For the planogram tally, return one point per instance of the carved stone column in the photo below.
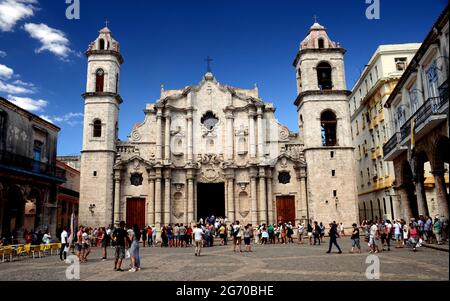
(159, 134)
(252, 140)
(158, 201)
(190, 136)
(270, 197)
(190, 195)
(420, 193)
(167, 197)
(254, 199)
(262, 197)
(260, 133)
(117, 213)
(167, 137)
(230, 136)
(151, 198)
(441, 193)
(230, 196)
(302, 206)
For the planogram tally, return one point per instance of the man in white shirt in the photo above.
(198, 238)
(300, 230)
(398, 233)
(64, 243)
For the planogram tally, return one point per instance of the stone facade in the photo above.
(419, 110)
(29, 177)
(215, 149)
(370, 128)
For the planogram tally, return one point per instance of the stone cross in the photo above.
(208, 61)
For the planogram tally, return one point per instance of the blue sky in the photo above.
(43, 67)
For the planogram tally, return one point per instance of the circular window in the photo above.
(209, 120)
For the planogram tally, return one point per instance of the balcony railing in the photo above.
(22, 163)
(431, 107)
(391, 144)
(443, 90)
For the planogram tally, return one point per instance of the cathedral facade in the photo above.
(212, 149)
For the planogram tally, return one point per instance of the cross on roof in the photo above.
(315, 18)
(208, 61)
(107, 22)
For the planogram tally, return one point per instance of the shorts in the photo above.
(398, 237)
(78, 246)
(120, 252)
(176, 237)
(310, 234)
(86, 246)
(372, 241)
(356, 243)
(183, 237)
(104, 243)
(247, 241)
(222, 236)
(170, 237)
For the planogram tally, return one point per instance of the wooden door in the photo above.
(136, 212)
(286, 209)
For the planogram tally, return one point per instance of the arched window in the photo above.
(102, 44)
(324, 76)
(99, 80)
(97, 128)
(321, 43)
(328, 122)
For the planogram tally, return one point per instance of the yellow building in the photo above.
(370, 128)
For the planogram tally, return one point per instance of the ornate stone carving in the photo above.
(284, 133)
(136, 136)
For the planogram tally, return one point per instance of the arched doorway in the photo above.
(13, 213)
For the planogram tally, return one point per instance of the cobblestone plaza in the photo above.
(267, 263)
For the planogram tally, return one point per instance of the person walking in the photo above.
(300, 230)
(333, 234)
(149, 236)
(198, 239)
(437, 229)
(355, 239)
(64, 243)
(398, 233)
(120, 239)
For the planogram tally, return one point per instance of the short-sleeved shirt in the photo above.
(373, 230)
(355, 233)
(182, 230)
(198, 234)
(64, 237)
(120, 235)
(237, 228)
(397, 228)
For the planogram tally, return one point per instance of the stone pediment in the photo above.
(136, 161)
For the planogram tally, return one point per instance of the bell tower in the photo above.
(325, 128)
(100, 130)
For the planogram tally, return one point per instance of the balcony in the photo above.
(22, 164)
(392, 149)
(427, 117)
(374, 154)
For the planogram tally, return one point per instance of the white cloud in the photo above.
(5, 71)
(22, 83)
(71, 119)
(2, 54)
(46, 118)
(52, 39)
(12, 11)
(29, 104)
(14, 89)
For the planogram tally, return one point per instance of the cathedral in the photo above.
(213, 149)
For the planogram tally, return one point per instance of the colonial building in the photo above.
(68, 195)
(370, 128)
(29, 177)
(419, 112)
(215, 149)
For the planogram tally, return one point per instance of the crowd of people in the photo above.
(380, 235)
